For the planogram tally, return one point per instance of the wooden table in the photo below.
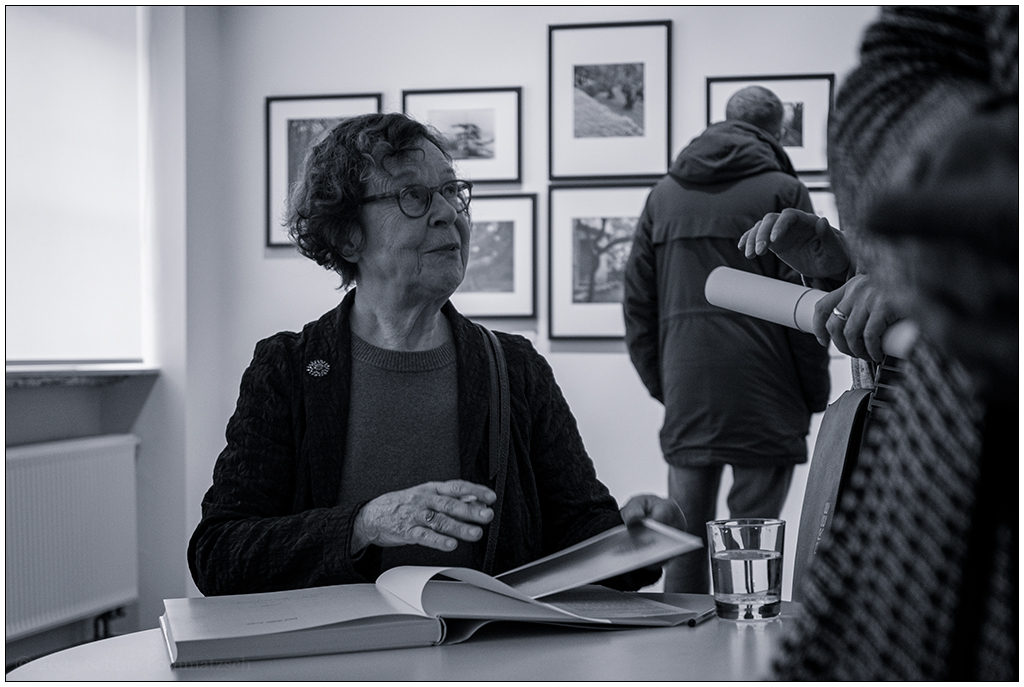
(714, 650)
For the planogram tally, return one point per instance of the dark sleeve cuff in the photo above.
(340, 564)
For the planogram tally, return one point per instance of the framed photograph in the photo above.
(484, 126)
(824, 203)
(501, 277)
(293, 124)
(609, 100)
(590, 233)
(807, 102)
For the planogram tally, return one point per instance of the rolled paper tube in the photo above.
(774, 300)
(788, 304)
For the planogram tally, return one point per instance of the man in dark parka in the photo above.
(737, 391)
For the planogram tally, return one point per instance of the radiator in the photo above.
(71, 531)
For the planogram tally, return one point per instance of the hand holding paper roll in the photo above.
(809, 310)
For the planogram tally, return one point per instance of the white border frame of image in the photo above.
(521, 209)
(824, 202)
(814, 90)
(568, 320)
(507, 104)
(621, 157)
(281, 109)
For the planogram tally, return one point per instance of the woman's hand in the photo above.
(864, 315)
(805, 242)
(434, 514)
(655, 508)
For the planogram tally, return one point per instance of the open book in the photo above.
(424, 605)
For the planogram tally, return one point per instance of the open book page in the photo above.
(590, 606)
(464, 608)
(472, 594)
(256, 614)
(452, 599)
(467, 594)
(620, 608)
(407, 583)
(619, 550)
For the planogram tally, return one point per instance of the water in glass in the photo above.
(747, 583)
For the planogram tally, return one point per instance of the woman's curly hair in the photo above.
(324, 204)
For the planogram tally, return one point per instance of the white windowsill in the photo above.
(73, 374)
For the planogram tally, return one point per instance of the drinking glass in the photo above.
(746, 567)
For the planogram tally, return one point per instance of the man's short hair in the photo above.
(758, 106)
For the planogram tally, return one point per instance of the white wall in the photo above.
(211, 288)
(272, 51)
(161, 425)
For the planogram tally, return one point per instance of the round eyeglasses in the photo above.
(414, 201)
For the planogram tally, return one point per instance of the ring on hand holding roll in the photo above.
(839, 314)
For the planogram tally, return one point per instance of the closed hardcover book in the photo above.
(423, 605)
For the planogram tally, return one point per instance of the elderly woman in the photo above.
(362, 442)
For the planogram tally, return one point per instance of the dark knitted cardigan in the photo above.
(270, 520)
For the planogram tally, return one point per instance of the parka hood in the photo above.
(730, 150)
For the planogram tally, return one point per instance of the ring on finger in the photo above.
(429, 517)
(840, 315)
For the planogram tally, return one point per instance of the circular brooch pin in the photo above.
(318, 368)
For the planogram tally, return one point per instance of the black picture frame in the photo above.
(484, 126)
(501, 277)
(599, 75)
(808, 99)
(585, 288)
(293, 123)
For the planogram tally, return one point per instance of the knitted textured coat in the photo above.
(919, 578)
(270, 520)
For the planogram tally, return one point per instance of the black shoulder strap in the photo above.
(499, 434)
